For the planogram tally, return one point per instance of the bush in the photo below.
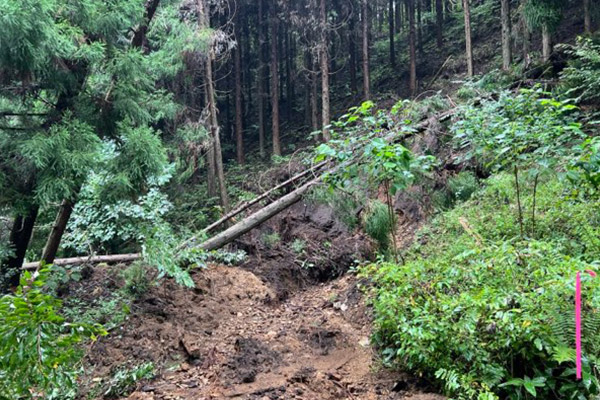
(136, 279)
(581, 79)
(39, 352)
(486, 315)
(378, 224)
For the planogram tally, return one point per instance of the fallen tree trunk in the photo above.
(244, 206)
(253, 220)
(257, 218)
(111, 259)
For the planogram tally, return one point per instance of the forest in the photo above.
(309, 199)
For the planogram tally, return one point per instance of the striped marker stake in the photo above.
(578, 321)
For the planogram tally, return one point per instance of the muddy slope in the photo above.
(287, 324)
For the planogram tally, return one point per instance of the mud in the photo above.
(290, 323)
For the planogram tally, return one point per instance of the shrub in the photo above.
(378, 224)
(488, 316)
(136, 279)
(271, 239)
(124, 379)
(462, 186)
(581, 79)
(39, 352)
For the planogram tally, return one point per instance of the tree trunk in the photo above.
(439, 27)
(260, 80)
(469, 45)
(110, 259)
(506, 35)
(19, 238)
(526, 40)
(289, 104)
(212, 110)
(419, 26)
(546, 43)
(398, 4)
(314, 95)
(275, 83)
(587, 17)
(324, 59)
(257, 218)
(412, 47)
(239, 111)
(353, 56)
(58, 229)
(365, 50)
(391, 17)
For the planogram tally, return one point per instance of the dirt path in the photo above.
(314, 345)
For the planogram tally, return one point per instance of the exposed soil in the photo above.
(273, 328)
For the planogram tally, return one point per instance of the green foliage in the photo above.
(483, 313)
(124, 379)
(379, 223)
(298, 246)
(137, 281)
(271, 239)
(39, 353)
(462, 186)
(344, 204)
(529, 129)
(581, 79)
(584, 170)
(540, 13)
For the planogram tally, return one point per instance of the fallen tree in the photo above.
(256, 218)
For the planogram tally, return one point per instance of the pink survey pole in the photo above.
(578, 322)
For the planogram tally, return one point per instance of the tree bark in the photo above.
(352, 50)
(412, 47)
(110, 259)
(314, 95)
(439, 27)
(324, 59)
(19, 238)
(506, 35)
(239, 111)
(260, 80)
(257, 218)
(546, 43)
(365, 50)
(526, 39)
(392, 33)
(468, 44)
(587, 17)
(275, 83)
(58, 229)
(212, 110)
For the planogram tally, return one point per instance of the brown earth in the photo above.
(284, 325)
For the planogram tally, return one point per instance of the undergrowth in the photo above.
(486, 314)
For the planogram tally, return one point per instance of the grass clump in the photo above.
(378, 224)
(486, 314)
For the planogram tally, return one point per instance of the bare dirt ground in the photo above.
(273, 328)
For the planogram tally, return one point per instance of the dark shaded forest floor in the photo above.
(280, 326)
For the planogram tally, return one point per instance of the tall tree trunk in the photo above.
(212, 109)
(314, 95)
(398, 7)
(412, 47)
(391, 17)
(546, 43)
(239, 111)
(19, 238)
(506, 35)
(439, 26)
(58, 229)
(289, 104)
(526, 39)
(353, 56)
(324, 59)
(365, 50)
(260, 78)
(419, 26)
(275, 82)
(468, 44)
(587, 17)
